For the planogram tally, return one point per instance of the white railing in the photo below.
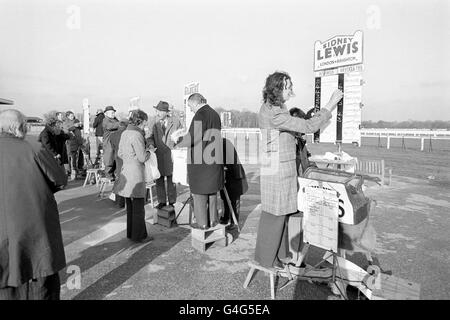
(422, 134)
(405, 133)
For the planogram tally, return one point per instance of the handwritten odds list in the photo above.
(321, 216)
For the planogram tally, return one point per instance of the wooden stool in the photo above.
(103, 183)
(201, 238)
(149, 186)
(92, 173)
(271, 272)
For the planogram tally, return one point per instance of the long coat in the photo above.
(235, 179)
(31, 244)
(98, 124)
(75, 141)
(109, 126)
(204, 138)
(278, 153)
(161, 140)
(49, 140)
(132, 151)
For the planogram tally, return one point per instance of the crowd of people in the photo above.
(31, 247)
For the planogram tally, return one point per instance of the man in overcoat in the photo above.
(109, 124)
(160, 133)
(278, 169)
(205, 160)
(31, 245)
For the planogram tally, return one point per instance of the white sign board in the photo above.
(320, 215)
(346, 214)
(338, 51)
(188, 90)
(135, 103)
(179, 157)
(351, 112)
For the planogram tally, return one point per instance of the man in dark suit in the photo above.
(205, 160)
(160, 134)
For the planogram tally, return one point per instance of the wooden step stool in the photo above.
(202, 238)
(92, 173)
(103, 183)
(149, 193)
(271, 272)
(166, 217)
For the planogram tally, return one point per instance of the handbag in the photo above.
(151, 168)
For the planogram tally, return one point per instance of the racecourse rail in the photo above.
(254, 135)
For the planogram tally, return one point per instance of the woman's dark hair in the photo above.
(296, 112)
(137, 117)
(275, 83)
(51, 122)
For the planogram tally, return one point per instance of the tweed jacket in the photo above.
(161, 140)
(132, 151)
(278, 154)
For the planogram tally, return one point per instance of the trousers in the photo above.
(205, 209)
(272, 240)
(161, 190)
(136, 228)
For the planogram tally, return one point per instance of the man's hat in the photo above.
(108, 108)
(162, 106)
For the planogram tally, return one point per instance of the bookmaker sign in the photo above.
(338, 51)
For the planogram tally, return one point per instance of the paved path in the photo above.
(412, 220)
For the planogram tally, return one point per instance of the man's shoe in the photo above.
(214, 224)
(197, 226)
(160, 205)
(172, 204)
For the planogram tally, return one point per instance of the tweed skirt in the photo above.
(279, 189)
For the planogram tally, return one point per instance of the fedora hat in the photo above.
(108, 108)
(162, 106)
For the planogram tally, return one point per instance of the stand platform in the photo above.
(201, 239)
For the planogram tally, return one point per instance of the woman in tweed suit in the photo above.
(278, 168)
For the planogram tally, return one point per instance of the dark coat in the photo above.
(61, 139)
(235, 179)
(49, 140)
(302, 156)
(75, 141)
(163, 143)
(31, 244)
(115, 140)
(98, 124)
(204, 177)
(109, 126)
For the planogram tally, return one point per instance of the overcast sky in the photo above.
(152, 48)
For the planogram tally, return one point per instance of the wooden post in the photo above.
(388, 142)
(422, 142)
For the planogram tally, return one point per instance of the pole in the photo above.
(340, 113)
